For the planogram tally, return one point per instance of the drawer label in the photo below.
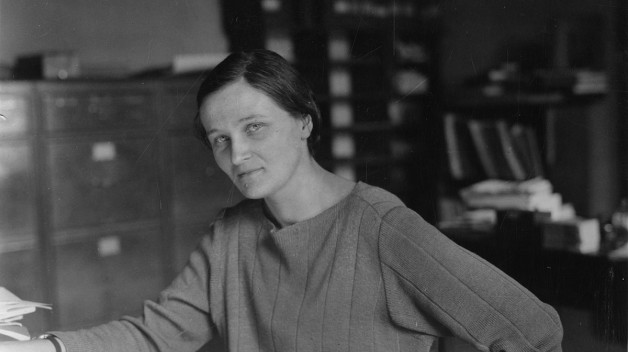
(103, 151)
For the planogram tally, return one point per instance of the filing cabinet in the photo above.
(103, 180)
(21, 266)
(21, 271)
(106, 275)
(179, 103)
(85, 107)
(104, 192)
(198, 184)
(17, 182)
(17, 191)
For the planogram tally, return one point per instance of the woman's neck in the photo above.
(312, 194)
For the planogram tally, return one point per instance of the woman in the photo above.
(311, 261)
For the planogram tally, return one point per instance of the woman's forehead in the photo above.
(234, 103)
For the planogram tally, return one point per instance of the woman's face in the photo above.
(260, 146)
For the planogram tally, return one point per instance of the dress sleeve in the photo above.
(178, 321)
(434, 286)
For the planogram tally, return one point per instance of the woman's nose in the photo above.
(240, 151)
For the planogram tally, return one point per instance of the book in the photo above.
(13, 331)
(486, 138)
(530, 195)
(490, 169)
(515, 164)
(13, 309)
(541, 202)
(491, 148)
(535, 185)
(461, 155)
(526, 147)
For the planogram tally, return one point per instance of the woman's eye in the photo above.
(220, 140)
(254, 127)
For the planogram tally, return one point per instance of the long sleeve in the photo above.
(178, 321)
(425, 273)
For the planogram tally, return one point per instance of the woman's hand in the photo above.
(27, 346)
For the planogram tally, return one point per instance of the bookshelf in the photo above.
(372, 65)
(589, 288)
(532, 121)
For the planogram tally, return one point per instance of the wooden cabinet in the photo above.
(104, 193)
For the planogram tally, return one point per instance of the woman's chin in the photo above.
(251, 191)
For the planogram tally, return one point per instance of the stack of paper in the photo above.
(531, 195)
(578, 235)
(12, 310)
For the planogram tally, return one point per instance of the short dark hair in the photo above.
(270, 73)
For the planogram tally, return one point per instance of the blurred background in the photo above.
(503, 123)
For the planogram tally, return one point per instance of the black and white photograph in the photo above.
(313, 176)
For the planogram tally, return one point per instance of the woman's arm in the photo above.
(178, 321)
(27, 346)
(434, 285)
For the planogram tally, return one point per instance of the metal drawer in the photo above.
(200, 188)
(17, 190)
(103, 181)
(111, 275)
(15, 114)
(99, 109)
(180, 105)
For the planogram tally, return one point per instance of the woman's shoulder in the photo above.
(244, 209)
(391, 210)
(241, 218)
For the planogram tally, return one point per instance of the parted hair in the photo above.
(270, 73)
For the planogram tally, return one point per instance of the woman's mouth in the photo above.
(247, 175)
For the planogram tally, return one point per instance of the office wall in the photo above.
(111, 36)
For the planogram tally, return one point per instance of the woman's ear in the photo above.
(306, 127)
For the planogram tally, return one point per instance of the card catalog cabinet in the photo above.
(103, 194)
(20, 263)
(17, 183)
(107, 275)
(102, 180)
(84, 108)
